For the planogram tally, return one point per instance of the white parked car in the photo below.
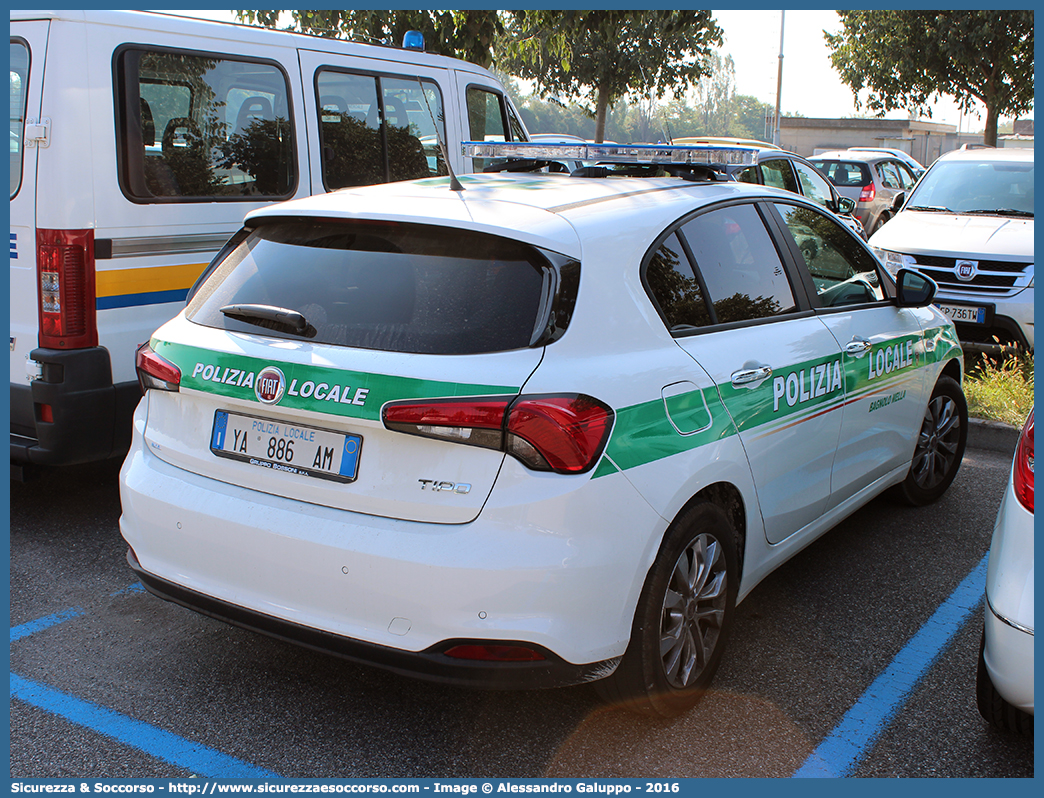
(540, 430)
(968, 224)
(1004, 687)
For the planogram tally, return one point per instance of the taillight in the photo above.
(563, 433)
(65, 268)
(1023, 468)
(155, 371)
(868, 193)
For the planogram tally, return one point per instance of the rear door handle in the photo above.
(857, 347)
(751, 376)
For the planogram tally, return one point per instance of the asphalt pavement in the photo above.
(109, 681)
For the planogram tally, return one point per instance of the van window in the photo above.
(357, 150)
(208, 126)
(19, 84)
(490, 118)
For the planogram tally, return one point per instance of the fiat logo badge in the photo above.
(966, 270)
(270, 385)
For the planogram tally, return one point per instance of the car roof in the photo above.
(1017, 154)
(547, 210)
(863, 156)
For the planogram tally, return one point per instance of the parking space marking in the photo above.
(156, 742)
(26, 629)
(842, 751)
(199, 759)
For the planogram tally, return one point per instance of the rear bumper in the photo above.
(90, 416)
(431, 664)
(548, 573)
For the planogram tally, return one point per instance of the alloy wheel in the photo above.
(693, 610)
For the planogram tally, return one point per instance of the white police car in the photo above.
(538, 430)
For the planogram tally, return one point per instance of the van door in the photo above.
(374, 121)
(28, 52)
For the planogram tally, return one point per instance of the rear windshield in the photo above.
(388, 286)
(844, 173)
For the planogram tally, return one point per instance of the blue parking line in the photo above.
(144, 737)
(842, 751)
(26, 629)
(156, 742)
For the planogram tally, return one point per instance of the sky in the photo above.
(752, 38)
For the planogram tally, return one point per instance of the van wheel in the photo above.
(992, 706)
(683, 618)
(940, 445)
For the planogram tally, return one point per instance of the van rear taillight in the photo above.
(155, 372)
(868, 193)
(1023, 469)
(563, 433)
(65, 268)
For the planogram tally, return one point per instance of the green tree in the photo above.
(601, 56)
(906, 59)
(462, 34)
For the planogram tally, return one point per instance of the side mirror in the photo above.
(913, 289)
(845, 205)
(897, 201)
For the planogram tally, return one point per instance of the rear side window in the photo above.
(392, 287)
(378, 129)
(739, 264)
(720, 267)
(203, 126)
(19, 85)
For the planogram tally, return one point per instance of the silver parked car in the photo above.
(871, 179)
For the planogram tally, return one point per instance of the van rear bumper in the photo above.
(90, 416)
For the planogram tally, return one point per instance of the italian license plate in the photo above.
(291, 448)
(965, 313)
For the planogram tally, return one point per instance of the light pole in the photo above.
(779, 77)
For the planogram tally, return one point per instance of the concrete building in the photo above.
(923, 140)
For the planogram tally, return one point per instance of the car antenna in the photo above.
(454, 183)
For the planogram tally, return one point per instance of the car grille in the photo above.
(992, 277)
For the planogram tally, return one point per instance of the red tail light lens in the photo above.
(155, 372)
(868, 193)
(569, 432)
(563, 433)
(1023, 468)
(65, 267)
(495, 653)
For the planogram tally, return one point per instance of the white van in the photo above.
(139, 141)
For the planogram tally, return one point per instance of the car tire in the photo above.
(940, 445)
(992, 706)
(683, 618)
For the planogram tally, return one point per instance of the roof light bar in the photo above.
(611, 153)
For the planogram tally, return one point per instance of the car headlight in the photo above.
(894, 261)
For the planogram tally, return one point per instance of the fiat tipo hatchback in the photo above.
(531, 429)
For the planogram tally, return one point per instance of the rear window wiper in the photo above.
(1001, 212)
(271, 318)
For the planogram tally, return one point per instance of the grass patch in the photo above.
(1000, 390)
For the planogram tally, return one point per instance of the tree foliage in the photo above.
(601, 56)
(462, 34)
(907, 59)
